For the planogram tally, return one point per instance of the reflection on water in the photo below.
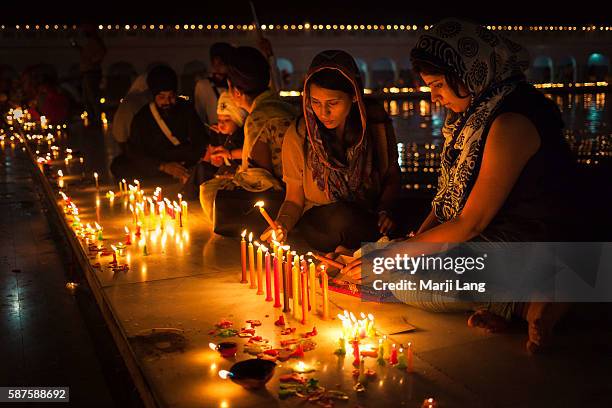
(418, 127)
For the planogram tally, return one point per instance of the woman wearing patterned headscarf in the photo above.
(339, 161)
(505, 167)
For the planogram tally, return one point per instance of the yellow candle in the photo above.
(325, 293)
(312, 288)
(259, 269)
(251, 262)
(295, 284)
(304, 282)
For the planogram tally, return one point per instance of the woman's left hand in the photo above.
(385, 223)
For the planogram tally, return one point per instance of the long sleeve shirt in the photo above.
(148, 146)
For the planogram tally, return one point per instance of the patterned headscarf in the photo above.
(339, 181)
(490, 66)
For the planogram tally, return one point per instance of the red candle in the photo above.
(393, 358)
(138, 229)
(128, 238)
(268, 278)
(277, 281)
(243, 258)
(304, 282)
(356, 355)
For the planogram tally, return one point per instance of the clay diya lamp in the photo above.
(250, 374)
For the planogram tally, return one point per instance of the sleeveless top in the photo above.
(538, 207)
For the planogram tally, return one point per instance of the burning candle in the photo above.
(429, 403)
(60, 180)
(138, 225)
(286, 271)
(370, 331)
(386, 345)
(341, 347)
(356, 355)
(251, 262)
(243, 255)
(402, 363)
(410, 357)
(263, 212)
(114, 248)
(325, 293)
(128, 238)
(294, 287)
(259, 268)
(277, 264)
(137, 183)
(123, 185)
(268, 277)
(393, 357)
(184, 208)
(99, 229)
(96, 179)
(381, 353)
(312, 287)
(304, 275)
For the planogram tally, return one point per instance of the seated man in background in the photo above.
(224, 153)
(166, 136)
(208, 90)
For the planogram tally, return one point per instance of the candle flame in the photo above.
(98, 227)
(409, 344)
(250, 237)
(60, 173)
(95, 174)
(224, 374)
(114, 248)
(243, 234)
(212, 346)
(259, 204)
(127, 231)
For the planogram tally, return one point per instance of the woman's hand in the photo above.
(280, 232)
(352, 270)
(385, 223)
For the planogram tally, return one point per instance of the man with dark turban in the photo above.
(166, 136)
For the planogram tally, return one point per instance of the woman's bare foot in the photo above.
(542, 317)
(484, 319)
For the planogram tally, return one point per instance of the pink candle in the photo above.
(243, 256)
(268, 278)
(278, 264)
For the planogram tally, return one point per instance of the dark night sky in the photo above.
(316, 11)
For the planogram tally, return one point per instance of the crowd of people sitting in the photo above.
(504, 159)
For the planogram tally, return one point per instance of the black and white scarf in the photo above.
(490, 66)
